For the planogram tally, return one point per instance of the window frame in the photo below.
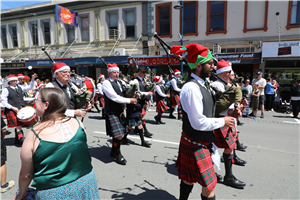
(157, 6)
(30, 23)
(42, 21)
(4, 26)
(107, 13)
(196, 33)
(265, 28)
(10, 26)
(87, 15)
(208, 31)
(67, 28)
(124, 11)
(289, 25)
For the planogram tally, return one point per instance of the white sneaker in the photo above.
(272, 110)
(10, 185)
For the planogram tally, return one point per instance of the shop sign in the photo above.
(97, 60)
(13, 65)
(281, 49)
(48, 62)
(242, 58)
(154, 61)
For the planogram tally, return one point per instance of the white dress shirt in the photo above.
(173, 82)
(136, 81)
(111, 93)
(5, 94)
(69, 112)
(191, 101)
(25, 87)
(158, 90)
(99, 87)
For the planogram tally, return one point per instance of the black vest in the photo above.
(158, 97)
(111, 106)
(72, 93)
(143, 98)
(141, 86)
(15, 98)
(172, 91)
(208, 102)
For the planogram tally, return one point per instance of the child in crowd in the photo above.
(254, 99)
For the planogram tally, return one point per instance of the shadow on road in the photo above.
(148, 193)
(101, 153)
(281, 116)
(11, 142)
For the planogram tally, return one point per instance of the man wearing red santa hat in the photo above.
(25, 87)
(160, 95)
(12, 100)
(114, 106)
(225, 137)
(194, 162)
(174, 94)
(61, 80)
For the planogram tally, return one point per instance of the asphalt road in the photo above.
(272, 171)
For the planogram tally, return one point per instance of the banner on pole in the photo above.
(65, 15)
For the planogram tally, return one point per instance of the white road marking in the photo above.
(176, 143)
(288, 122)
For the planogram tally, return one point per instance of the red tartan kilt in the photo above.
(174, 101)
(143, 111)
(100, 98)
(11, 117)
(160, 106)
(2, 112)
(195, 170)
(224, 141)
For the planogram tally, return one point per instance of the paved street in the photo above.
(272, 171)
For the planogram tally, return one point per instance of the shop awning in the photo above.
(96, 61)
(241, 58)
(47, 62)
(153, 60)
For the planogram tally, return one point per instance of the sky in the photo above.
(10, 4)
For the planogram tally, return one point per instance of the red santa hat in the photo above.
(60, 67)
(101, 76)
(176, 71)
(157, 79)
(223, 66)
(40, 84)
(12, 77)
(112, 67)
(21, 76)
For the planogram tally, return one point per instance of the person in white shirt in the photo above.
(25, 87)
(100, 93)
(115, 119)
(194, 162)
(61, 80)
(160, 95)
(12, 100)
(261, 82)
(174, 94)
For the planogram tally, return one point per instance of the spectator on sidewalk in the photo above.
(261, 82)
(255, 100)
(295, 98)
(270, 94)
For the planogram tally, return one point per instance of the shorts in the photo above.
(3, 151)
(262, 100)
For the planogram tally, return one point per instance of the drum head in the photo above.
(90, 86)
(26, 113)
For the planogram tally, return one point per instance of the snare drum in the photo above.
(27, 116)
(29, 101)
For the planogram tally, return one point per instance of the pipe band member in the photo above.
(100, 95)
(12, 100)
(174, 94)
(160, 95)
(114, 107)
(145, 98)
(194, 162)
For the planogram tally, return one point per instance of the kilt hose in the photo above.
(114, 127)
(194, 164)
(160, 107)
(11, 117)
(224, 138)
(100, 98)
(174, 101)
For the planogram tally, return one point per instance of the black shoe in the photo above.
(148, 134)
(156, 119)
(119, 159)
(233, 182)
(238, 161)
(239, 123)
(262, 115)
(146, 144)
(219, 177)
(162, 122)
(251, 114)
(19, 141)
(240, 146)
(172, 116)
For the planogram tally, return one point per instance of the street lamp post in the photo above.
(180, 7)
(278, 25)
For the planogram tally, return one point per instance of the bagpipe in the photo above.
(83, 87)
(223, 99)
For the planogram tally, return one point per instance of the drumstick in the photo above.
(30, 68)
